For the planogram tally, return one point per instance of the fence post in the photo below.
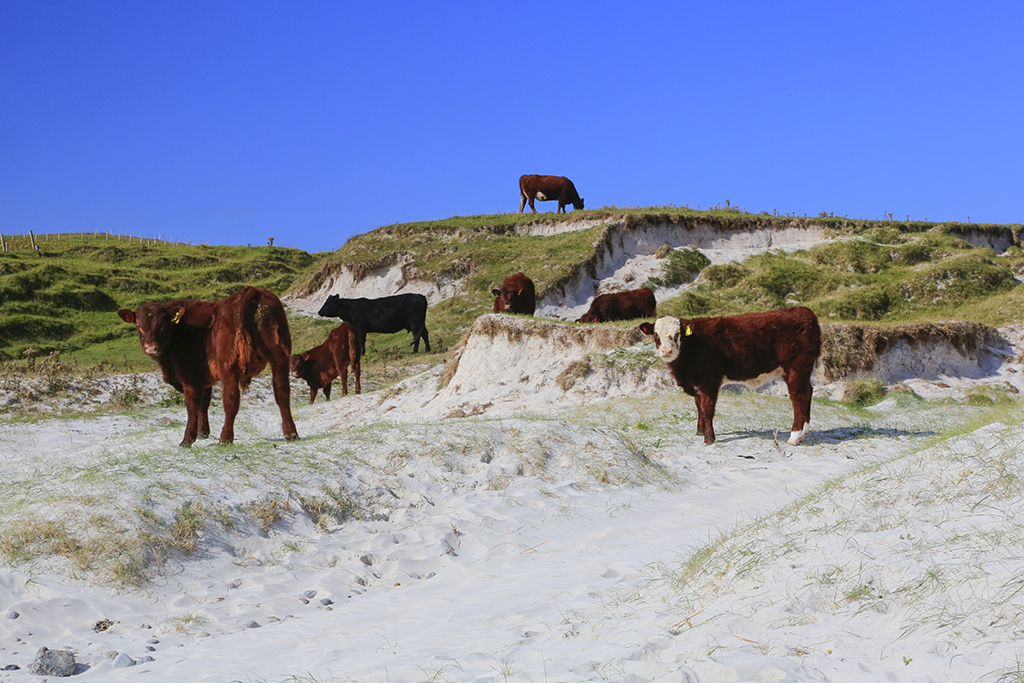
(31, 236)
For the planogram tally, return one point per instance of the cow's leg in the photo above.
(278, 357)
(327, 391)
(204, 417)
(231, 394)
(706, 411)
(312, 395)
(522, 201)
(532, 207)
(357, 371)
(700, 414)
(418, 333)
(193, 407)
(798, 381)
(561, 207)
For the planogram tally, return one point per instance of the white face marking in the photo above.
(667, 331)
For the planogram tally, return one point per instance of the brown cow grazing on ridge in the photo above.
(322, 364)
(704, 353)
(516, 295)
(200, 343)
(636, 303)
(548, 188)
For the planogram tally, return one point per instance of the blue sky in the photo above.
(310, 122)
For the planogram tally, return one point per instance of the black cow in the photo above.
(387, 315)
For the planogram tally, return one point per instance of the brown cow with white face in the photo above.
(200, 343)
(753, 348)
(548, 188)
(516, 295)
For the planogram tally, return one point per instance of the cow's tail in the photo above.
(264, 327)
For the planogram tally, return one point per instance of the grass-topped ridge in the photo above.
(63, 297)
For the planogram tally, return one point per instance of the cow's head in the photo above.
(578, 206)
(668, 336)
(297, 363)
(155, 323)
(335, 307)
(505, 298)
(588, 318)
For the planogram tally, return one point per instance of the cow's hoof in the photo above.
(796, 438)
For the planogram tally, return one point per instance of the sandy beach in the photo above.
(567, 535)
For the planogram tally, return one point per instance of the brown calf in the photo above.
(636, 303)
(200, 343)
(322, 364)
(516, 295)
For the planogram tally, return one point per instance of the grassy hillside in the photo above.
(65, 296)
(886, 271)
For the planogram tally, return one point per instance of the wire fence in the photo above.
(33, 242)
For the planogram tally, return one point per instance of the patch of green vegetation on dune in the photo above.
(882, 273)
(64, 297)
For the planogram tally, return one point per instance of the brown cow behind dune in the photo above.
(323, 364)
(548, 188)
(200, 343)
(516, 295)
(636, 303)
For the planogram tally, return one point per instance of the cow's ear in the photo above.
(127, 315)
(496, 292)
(647, 328)
(519, 293)
(176, 314)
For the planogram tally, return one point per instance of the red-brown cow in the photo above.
(200, 343)
(322, 364)
(516, 295)
(548, 188)
(636, 303)
(704, 353)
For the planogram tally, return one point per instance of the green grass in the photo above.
(921, 277)
(64, 297)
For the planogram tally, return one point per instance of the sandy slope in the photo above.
(559, 533)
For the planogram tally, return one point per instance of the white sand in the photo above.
(546, 537)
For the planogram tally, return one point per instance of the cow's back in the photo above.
(248, 328)
(751, 344)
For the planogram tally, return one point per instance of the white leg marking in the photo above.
(797, 437)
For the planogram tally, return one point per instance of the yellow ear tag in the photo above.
(688, 331)
(177, 318)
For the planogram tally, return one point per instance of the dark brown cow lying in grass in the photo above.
(704, 353)
(636, 303)
(548, 188)
(322, 364)
(200, 343)
(516, 295)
